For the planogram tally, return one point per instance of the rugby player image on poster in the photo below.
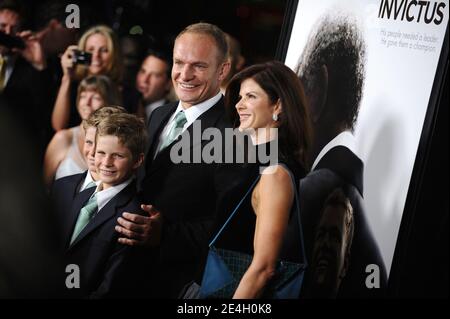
(368, 68)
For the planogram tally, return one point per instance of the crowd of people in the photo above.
(138, 224)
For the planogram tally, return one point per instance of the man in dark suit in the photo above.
(183, 195)
(332, 70)
(24, 76)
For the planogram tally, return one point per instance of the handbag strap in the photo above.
(234, 211)
(297, 209)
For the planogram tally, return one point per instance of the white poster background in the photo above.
(396, 92)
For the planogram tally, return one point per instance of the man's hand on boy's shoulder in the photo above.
(140, 230)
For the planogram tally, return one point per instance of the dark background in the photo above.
(255, 23)
(421, 264)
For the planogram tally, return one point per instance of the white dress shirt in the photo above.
(87, 180)
(343, 139)
(104, 196)
(192, 113)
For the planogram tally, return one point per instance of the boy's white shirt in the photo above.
(87, 180)
(104, 196)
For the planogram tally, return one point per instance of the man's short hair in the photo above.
(214, 32)
(128, 128)
(17, 7)
(164, 56)
(48, 10)
(337, 42)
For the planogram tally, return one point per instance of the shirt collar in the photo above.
(87, 180)
(345, 139)
(192, 113)
(104, 196)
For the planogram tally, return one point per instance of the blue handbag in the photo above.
(225, 268)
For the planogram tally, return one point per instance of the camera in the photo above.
(11, 41)
(81, 57)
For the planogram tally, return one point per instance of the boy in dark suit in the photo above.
(88, 227)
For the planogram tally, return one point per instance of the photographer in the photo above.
(23, 74)
(97, 53)
(13, 41)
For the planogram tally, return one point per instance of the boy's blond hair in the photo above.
(98, 115)
(128, 128)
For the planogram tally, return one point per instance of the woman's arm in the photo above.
(61, 109)
(56, 151)
(272, 203)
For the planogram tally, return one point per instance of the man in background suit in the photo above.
(153, 81)
(24, 76)
(332, 70)
(182, 195)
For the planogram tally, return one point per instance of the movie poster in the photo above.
(392, 50)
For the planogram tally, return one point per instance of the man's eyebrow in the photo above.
(200, 63)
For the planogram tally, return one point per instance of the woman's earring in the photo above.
(275, 117)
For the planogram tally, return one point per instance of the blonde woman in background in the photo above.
(102, 43)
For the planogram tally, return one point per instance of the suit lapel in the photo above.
(346, 164)
(107, 212)
(78, 202)
(80, 182)
(208, 119)
(156, 125)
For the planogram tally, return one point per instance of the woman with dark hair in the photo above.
(282, 106)
(266, 102)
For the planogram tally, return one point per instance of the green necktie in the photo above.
(86, 214)
(90, 184)
(177, 126)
